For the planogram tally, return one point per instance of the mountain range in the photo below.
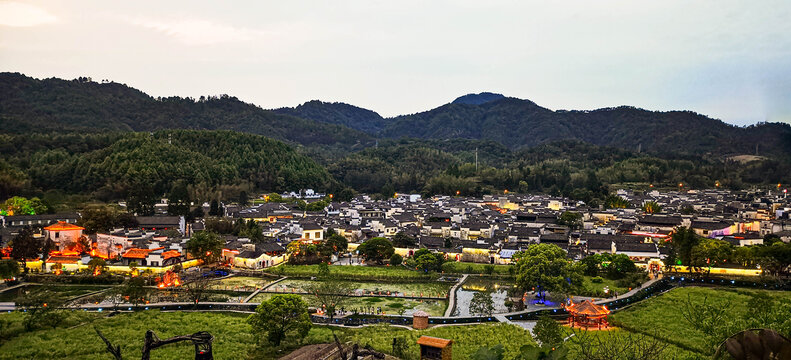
(33, 105)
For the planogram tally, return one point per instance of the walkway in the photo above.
(452, 296)
(247, 299)
(630, 293)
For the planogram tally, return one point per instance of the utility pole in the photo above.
(476, 160)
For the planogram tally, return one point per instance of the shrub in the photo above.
(396, 259)
(597, 280)
(488, 269)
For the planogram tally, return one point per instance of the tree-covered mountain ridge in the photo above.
(29, 105)
(32, 105)
(519, 123)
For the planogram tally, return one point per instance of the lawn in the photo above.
(456, 267)
(590, 288)
(360, 273)
(233, 339)
(433, 289)
(661, 316)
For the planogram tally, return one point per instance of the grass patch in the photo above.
(233, 339)
(661, 315)
(65, 291)
(457, 267)
(359, 273)
(389, 305)
(671, 352)
(590, 288)
(241, 283)
(428, 289)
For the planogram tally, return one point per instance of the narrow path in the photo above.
(263, 288)
(452, 297)
(630, 293)
(14, 287)
(272, 283)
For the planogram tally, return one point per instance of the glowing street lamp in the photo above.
(458, 192)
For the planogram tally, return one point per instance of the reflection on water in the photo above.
(498, 291)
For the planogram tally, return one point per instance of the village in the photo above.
(486, 230)
(409, 261)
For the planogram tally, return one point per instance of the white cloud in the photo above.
(199, 31)
(23, 15)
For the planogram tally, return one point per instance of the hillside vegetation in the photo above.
(112, 165)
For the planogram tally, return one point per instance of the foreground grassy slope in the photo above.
(661, 316)
(233, 339)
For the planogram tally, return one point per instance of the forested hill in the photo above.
(518, 123)
(32, 105)
(477, 99)
(120, 164)
(339, 114)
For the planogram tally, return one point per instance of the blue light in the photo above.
(100, 310)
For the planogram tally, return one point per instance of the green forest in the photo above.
(107, 141)
(116, 166)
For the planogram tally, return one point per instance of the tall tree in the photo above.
(377, 250)
(680, 246)
(25, 246)
(178, 199)
(545, 267)
(9, 269)
(206, 246)
(330, 294)
(482, 304)
(279, 317)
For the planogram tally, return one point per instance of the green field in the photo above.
(241, 283)
(670, 352)
(389, 305)
(428, 289)
(361, 273)
(661, 316)
(74, 338)
(456, 267)
(233, 339)
(65, 291)
(590, 288)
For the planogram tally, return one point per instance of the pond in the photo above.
(378, 305)
(64, 291)
(414, 289)
(498, 290)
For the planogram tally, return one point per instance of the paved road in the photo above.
(452, 297)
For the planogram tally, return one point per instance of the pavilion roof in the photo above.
(587, 307)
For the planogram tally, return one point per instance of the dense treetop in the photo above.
(113, 164)
(338, 113)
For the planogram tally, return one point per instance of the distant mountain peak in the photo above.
(478, 99)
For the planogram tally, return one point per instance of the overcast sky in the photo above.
(727, 59)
